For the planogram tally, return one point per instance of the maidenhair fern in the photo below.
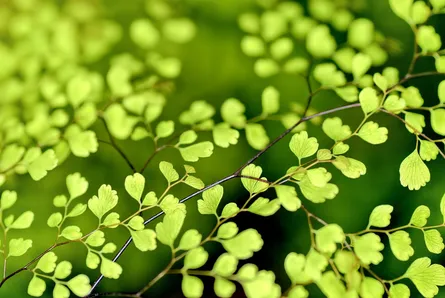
(55, 101)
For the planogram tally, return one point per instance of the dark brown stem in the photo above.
(236, 174)
(118, 149)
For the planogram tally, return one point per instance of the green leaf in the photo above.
(79, 285)
(340, 148)
(224, 136)
(368, 247)
(427, 39)
(18, 247)
(78, 89)
(394, 104)
(348, 93)
(415, 122)
(270, 100)
(402, 8)
(169, 228)
(412, 97)
(380, 81)
(110, 269)
(199, 111)
(350, 167)
(243, 245)
(77, 185)
(252, 185)
(144, 33)
(168, 171)
(373, 134)
(297, 65)
(399, 291)
(327, 238)
(194, 182)
(111, 220)
(420, 12)
(86, 115)
(134, 185)
(194, 152)
(7, 199)
(36, 287)
(60, 201)
(319, 176)
(92, 260)
(229, 210)
(224, 288)
(47, 262)
(426, 277)
(298, 292)
(54, 219)
(331, 286)
(225, 265)
(187, 137)
(441, 88)
(256, 136)
(71, 233)
(195, 258)
(81, 143)
(413, 172)
(60, 291)
(294, 265)
(40, 166)
(253, 46)
(433, 241)
(420, 216)
(361, 33)
(210, 200)
(324, 154)
(371, 288)
(144, 240)
(346, 261)
(303, 146)
(315, 264)
(369, 100)
(288, 197)
(438, 121)
(380, 216)
(264, 207)
(179, 30)
(400, 243)
(227, 230)
(170, 203)
(437, 4)
(442, 207)
(317, 194)
(190, 239)
(192, 286)
(96, 239)
(136, 223)
(262, 286)
(10, 156)
(232, 112)
(328, 75)
(361, 63)
(118, 122)
(165, 129)
(320, 43)
(24, 221)
(281, 48)
(334, 128)
(105, 201)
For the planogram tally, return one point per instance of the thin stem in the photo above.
(115, 146)
(236, 174)
(412, 127)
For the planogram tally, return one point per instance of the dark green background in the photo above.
(216, 69)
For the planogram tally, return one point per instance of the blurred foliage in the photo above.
(213, 69)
